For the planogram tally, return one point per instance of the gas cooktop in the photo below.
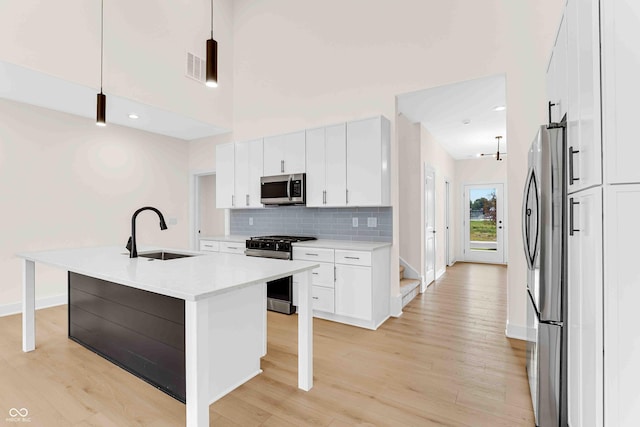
(283, 238)
(267, 246)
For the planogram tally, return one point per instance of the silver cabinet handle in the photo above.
(247, 199)
(314, 297)
(315, 274)
(571, 210)
(282, 166)
(347, 196)
(208, 246)
(233, 200)
(571, 177)
(311, 254)
(324, 197)
(352, 257)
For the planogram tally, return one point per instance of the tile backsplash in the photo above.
(323, 223)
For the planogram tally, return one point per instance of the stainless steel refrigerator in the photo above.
(545, 249)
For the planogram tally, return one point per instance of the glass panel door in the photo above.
(484, 223)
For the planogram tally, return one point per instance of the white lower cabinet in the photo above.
(585, 320)
(353, 291)
(209, 246)
(232, 247)
(349, 286)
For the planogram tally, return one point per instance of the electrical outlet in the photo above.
(372, 221)
(250, 220)
(354, 221)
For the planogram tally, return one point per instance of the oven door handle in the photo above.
(289, 186)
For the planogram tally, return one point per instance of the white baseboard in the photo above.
(16, 307)
(440, 272)
(518, 332)
(395, 305)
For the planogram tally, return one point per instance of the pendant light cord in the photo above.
(101, 40)
(211, 19)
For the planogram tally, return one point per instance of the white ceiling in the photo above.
(36, 88)
(443, 109)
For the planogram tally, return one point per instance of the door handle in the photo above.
(282, 166)
(289, 186)
(571, 210)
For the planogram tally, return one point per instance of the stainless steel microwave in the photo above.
(283, 189)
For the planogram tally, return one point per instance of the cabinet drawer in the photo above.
(209, 245)
(353, 257)
(323, 275)
(313, 254)
(232, 247)
(322, 299)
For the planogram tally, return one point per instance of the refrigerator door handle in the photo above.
(527, 211)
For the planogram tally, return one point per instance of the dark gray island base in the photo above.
(140, 331)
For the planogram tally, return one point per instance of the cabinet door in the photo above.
(255, 166)
(293, 154)
(364, 163)
(241, 175)
(353, 291)
(585, 316)
(621, 296)
(620, 89)
(336, 165)
(315, 153)
(560, 52)
(583, 133)
(225, 175)
(273, 155)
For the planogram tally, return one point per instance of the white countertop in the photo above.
(347, 245)
(192, 278)
(230, 238)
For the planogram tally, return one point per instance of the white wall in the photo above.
(145, 44)
(67, 183)
(302, 64)
(480, 171)
(211, 218)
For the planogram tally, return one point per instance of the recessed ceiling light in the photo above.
(466, 121)
(133, 116)
(499, 108)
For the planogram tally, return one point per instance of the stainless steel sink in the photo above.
(164, 256)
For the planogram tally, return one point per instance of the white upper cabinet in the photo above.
(368, 178)
(584, 146)
(620, 89)
(284, 154)
(248, 170)
(557, 90)
(326, 154)
(225, 154)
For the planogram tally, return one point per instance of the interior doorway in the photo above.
(429, 225)
(484, 223)
(207, 219)
(447, 223)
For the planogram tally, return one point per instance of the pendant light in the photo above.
(212, 57)
(101, 110)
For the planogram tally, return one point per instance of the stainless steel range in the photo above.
(279, 292)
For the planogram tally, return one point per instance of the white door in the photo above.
(353, 291)
(429, 225)
(484, 223)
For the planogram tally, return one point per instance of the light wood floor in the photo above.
(446, 361)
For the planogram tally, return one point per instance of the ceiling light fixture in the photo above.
(101, 110)
(497, 154)
(499, 108)
(212, 57)
(134, 116)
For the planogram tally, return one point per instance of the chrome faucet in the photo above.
(131, 244)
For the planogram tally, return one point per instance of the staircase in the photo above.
(409, 288)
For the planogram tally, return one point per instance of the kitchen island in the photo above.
(224, 302)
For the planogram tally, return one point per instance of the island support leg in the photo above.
(29, 306)
(197, 363)
(305, 332)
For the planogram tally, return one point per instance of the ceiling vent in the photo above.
(196, 67)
